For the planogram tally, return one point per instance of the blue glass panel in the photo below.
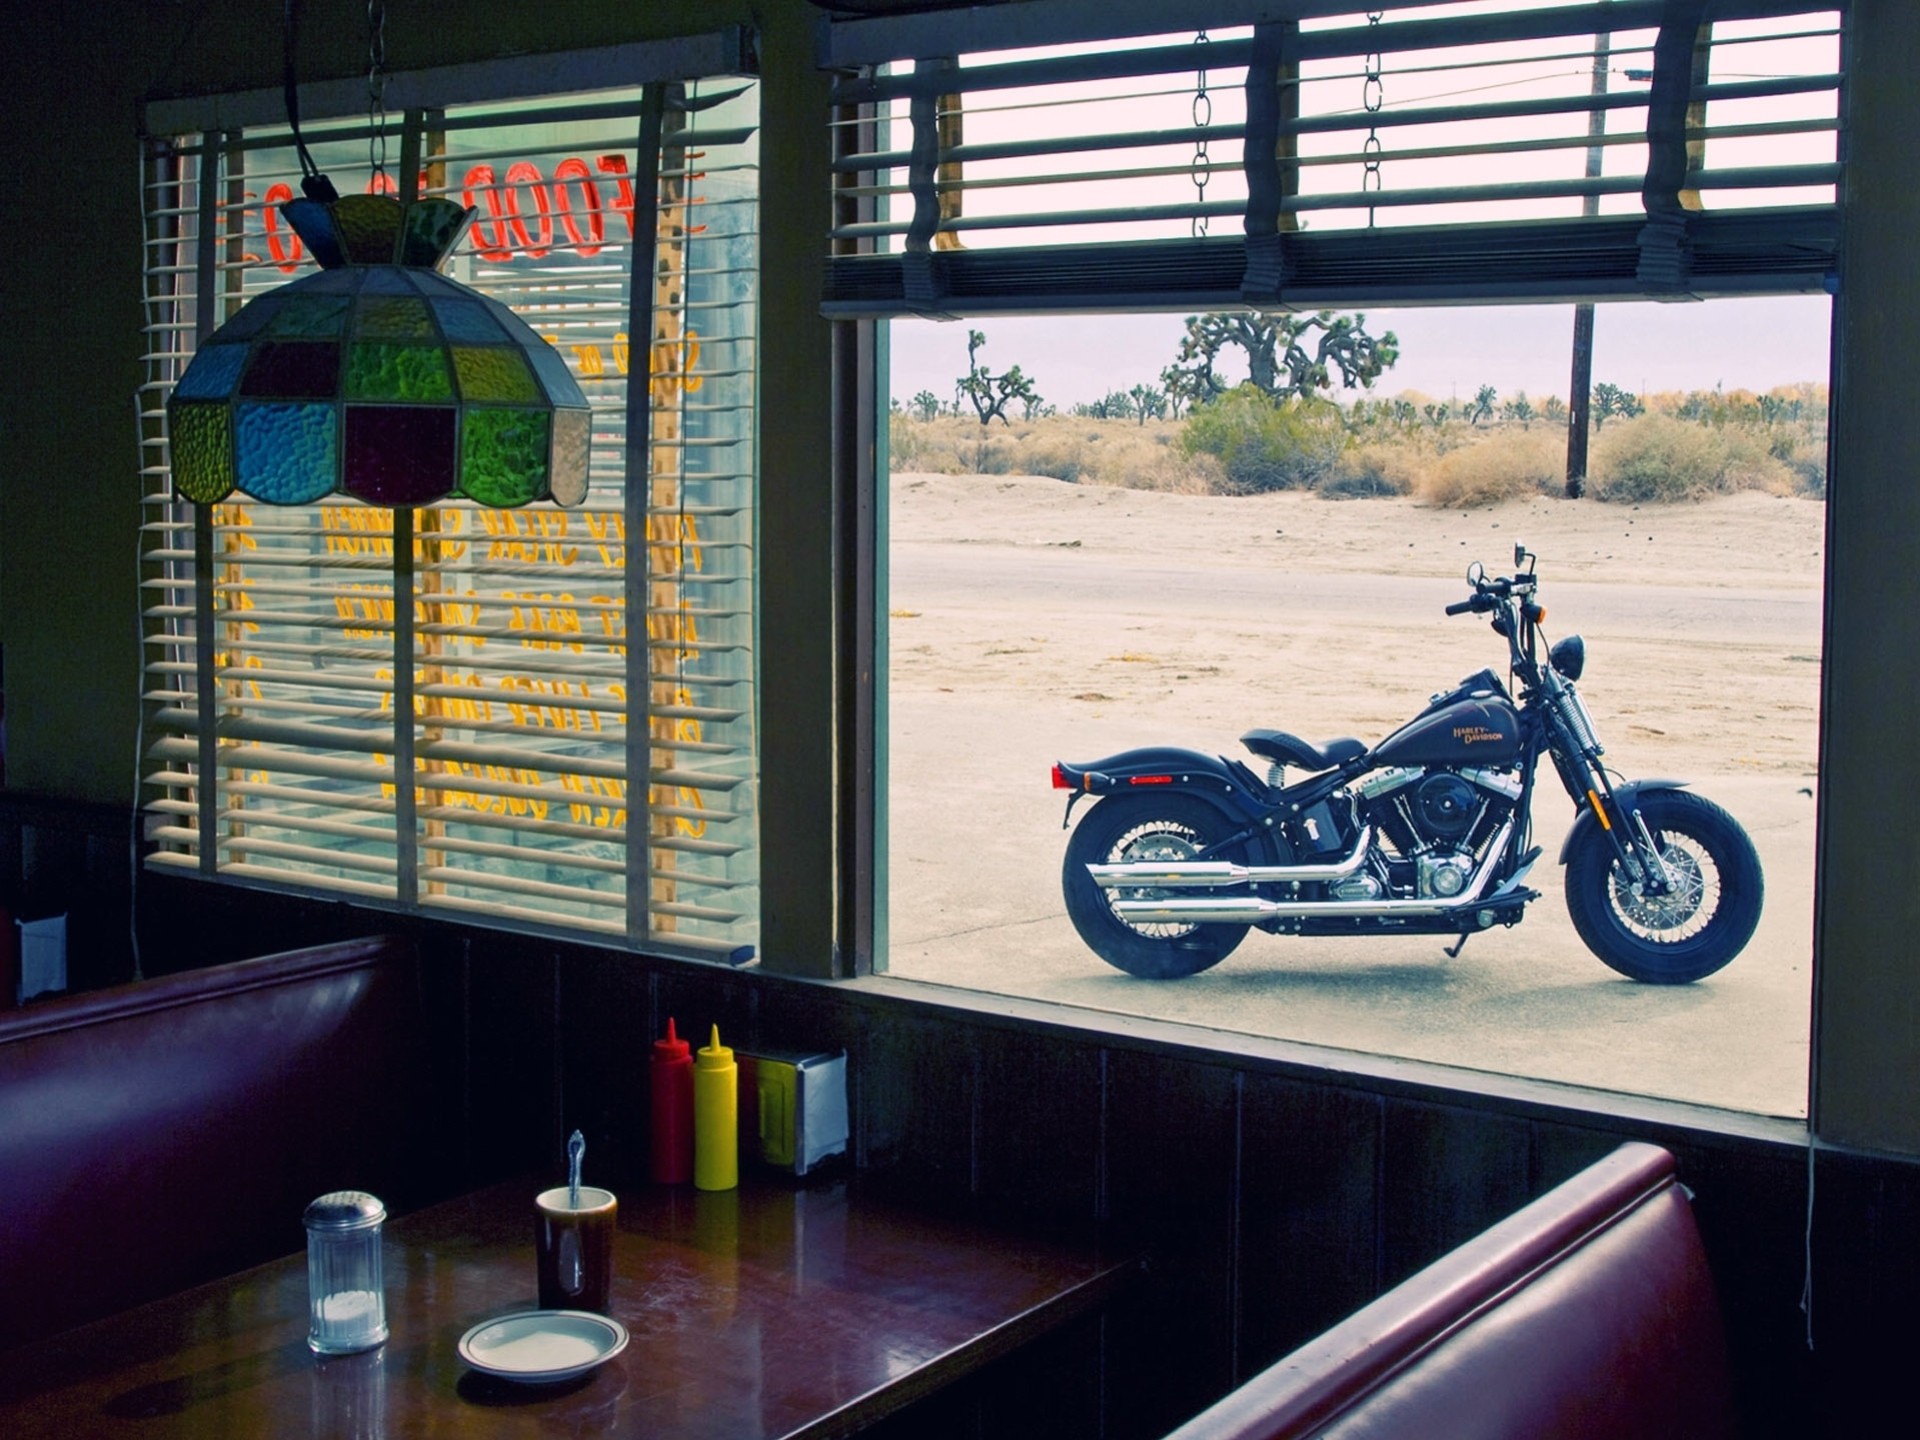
(212, 373)
(555, 378)
(386, 280)
(329, 282)
(287, 453)
(466, 322)
(254, 316)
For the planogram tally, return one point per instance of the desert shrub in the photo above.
(1503, 465)
(1656, 458)
(1369, 472)
(1262, 446)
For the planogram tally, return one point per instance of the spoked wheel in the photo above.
(1126, 829)
(1708, 913)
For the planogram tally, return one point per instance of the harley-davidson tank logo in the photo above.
(1475, 734)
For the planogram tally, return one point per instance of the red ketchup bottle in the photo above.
(671, 1077)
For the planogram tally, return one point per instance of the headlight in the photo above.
(1569, 656)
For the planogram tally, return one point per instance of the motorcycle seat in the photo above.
(1285, 749)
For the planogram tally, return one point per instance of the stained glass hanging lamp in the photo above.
(377, 377)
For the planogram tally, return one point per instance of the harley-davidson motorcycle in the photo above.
(1427, 832)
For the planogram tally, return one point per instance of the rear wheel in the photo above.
(1126, 829)
(1703, 921)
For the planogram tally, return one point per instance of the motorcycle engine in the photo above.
(1433, 823)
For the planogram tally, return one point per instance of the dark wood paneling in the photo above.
(1309, 1213)
(1447, 1174)
(1172, 1174)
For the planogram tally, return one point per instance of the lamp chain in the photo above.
(377, 92)
(1202, 118)
(1372, 96)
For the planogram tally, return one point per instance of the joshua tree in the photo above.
(1482, 406)
(926, 405)
(990, 393)
(1519, 408)
(1149, 403)
(1278, 361)
(1611, 400)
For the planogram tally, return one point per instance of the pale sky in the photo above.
(1444, 352)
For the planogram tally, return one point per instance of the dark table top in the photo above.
(772, 1310)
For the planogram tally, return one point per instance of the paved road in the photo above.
(1035, 581)
(976, 842)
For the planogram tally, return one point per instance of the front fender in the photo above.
(1624, 794)
(1227, 785)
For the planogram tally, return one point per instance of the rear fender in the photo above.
(1626, 794)
(1226, 785)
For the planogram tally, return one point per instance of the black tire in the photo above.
(1678, 939)
(1170, 827)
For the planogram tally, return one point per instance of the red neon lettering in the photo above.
(525, 172)
(623, 193)
(494, 245)
(285, 249)
(574, 168)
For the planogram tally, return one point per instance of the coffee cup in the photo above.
(574, 1246)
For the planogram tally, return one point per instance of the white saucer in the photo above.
(542, 1345)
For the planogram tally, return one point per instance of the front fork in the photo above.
(1625, 828)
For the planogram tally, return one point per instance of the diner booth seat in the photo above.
(1590, 1313)
(159, 1134)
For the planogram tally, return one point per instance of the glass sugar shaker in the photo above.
(346, 1306)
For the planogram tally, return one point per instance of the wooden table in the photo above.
(768, 1311)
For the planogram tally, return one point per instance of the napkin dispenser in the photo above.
(793, 1107)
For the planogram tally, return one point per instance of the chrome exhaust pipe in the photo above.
(1253, 910)
(1213, 874)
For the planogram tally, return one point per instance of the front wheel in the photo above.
(1703, 921)
(1118, 830)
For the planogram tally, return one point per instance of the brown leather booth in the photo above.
(159, 1134)
(1589, 1313)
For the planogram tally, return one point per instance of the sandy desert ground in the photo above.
(1035, 620)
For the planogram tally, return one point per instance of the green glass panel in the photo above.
(288, 453)
(433, 227)
(392, 317)
(503, 456)
(494, 373)
(202, 440)
(309, 315)
(369, 227)
(379, 370)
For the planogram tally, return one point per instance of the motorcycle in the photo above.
(1427, 832)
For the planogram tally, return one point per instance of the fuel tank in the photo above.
(1466, 732)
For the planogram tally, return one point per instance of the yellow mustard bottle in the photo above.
(716, 1117)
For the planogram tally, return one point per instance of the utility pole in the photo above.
(1580, 386)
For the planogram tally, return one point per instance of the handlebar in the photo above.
(1480, 602)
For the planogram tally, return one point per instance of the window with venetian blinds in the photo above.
(569, 693)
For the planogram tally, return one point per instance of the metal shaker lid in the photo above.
(344, 1210)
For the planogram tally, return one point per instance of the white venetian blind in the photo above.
(569, 693)
(1084, 155)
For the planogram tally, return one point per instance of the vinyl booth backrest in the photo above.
(161, 1133)
(1588, 1313)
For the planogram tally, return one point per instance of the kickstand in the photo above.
(1453, 951)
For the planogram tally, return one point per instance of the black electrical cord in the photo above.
(313, 184)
